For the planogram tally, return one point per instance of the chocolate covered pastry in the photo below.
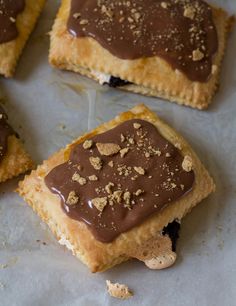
(17, 21)
(13, 158)
(170, 49)
(120, 191)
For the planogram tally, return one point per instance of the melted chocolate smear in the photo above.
(172, 230)
(9, 10)
(5, 132)
(163, 182)
(136, 29)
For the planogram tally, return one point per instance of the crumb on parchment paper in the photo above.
(119, 291)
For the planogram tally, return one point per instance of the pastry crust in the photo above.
(76, 236)
(16, 161)
(150, 76)
(11, 51)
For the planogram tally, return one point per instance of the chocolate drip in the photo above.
(133, 183)
(5, 132)
(181, 32)
(9, 10)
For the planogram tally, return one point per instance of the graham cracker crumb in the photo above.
(111, 164)
(164, 5)
(137, 125)
(93, 177)
(187, 164)
(189, 12)
(96, 162)
(87, 144)
(197, 55)
(108, 187)
(77, 178)
(108, 149)
(84, 21)
(117, 196)
(72, 199)
(76, 15)
(178, 145)
(139, 192)
(119, 291)
(139, 170)
(123, 152)
(99, 203)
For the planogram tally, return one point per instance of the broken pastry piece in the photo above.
(17, 21)
(169, 49)
(13, 158)
(108, 207)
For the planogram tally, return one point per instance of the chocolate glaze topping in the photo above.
(5, 132)
(117, 179)
(182, 32)
(9, 9)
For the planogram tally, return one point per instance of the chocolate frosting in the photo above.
(144, 177)
(9, 10)
(5, 132)
(181, 32)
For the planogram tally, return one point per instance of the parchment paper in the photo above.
(49, 108)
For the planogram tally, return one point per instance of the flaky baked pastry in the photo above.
(13, 158)
(25, 21)
(186, 75)
(16, 160)
(99, 247)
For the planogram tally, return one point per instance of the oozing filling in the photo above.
(107, 79)
(172, 230)
(115, 180)
(5, 132)
(9, 10)
(182, 32)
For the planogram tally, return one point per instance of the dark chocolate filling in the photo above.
(117, 82)
(172, 230)
(5, 132)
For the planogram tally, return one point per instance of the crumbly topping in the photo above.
(108, 149)
(72, 199)
(99, 203)
(93, 177)
(189, 11)
(139, 170)
(109, 187)
(137, 125)
(187, 164)
(123, 152)
(96, 162)
(139, 192)
(87, 144)
(119, 291)
(197, 55)
(77, 178)
(111, 164)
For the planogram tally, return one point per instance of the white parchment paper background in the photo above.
(49, 108)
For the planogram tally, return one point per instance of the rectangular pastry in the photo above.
(169, 49)
(119, 191)
(13, 158)
(17, 21)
